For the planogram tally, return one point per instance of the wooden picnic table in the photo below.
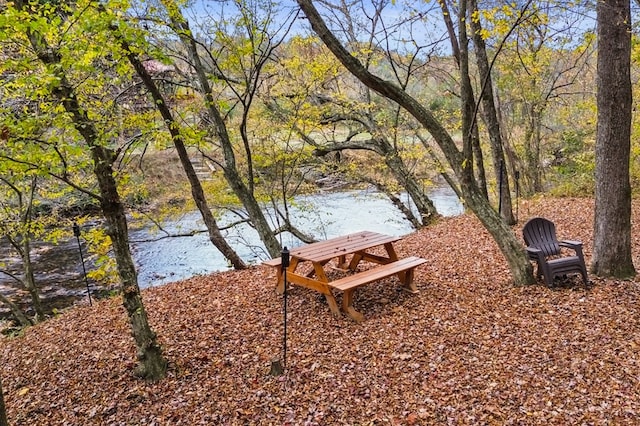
(357, 246)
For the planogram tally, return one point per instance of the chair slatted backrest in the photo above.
(541, 234)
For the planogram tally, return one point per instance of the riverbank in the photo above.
(468, 349)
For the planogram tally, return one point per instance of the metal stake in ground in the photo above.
(76, 232)
(285, 265)
(500, 188)
(517, 176)
(277, 367)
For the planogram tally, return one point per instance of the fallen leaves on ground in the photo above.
(470, 348)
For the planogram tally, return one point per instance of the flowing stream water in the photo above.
(323, 216)
(159, 260)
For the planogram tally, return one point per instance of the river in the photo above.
(324, 216)
(159, 261)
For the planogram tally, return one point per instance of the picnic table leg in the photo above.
(333, 305)
(357, 257)
(347, 305)
(280, 281)
(313, 272)
(406, 278)
(322, 277)
(393, 256)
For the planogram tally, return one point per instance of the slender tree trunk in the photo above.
(30, 280)
(406, 211)
(478, 156)
(514, 162)
(612, 227)
(470, 133)
(491, 119)
(151, 363)
(510, 246)
(394, 162)
(215, 236)
(424, 205)
(536, 123)
(3, 409)
(242, 191)
(22, 244)
(466, 91)
(532, 172)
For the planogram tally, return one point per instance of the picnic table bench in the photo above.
(357, 246)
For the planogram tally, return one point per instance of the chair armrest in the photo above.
(574, 245)
(570, 243)
(535, 253)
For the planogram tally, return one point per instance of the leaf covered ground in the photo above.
(469, 349)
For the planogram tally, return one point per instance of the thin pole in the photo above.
(500, 189)
(285, 266)
(517, 176)
(76, 232)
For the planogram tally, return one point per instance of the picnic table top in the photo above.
(343, 245)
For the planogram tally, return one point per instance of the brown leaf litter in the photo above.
(469, 349)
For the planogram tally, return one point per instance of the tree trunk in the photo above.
(510, 246)
(151, 363)
(491, 119)
(254, 210)
(381, 146)
(22, 244)
(30, 280)
(612, 227)
(470, 132)
(478, 156)
(424, 205)
(532, 150)
(466, 93)
(397, 202)
(513, 162)
(3, 408)
(395, 164)
(215, 236)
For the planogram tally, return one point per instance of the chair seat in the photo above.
(568, 260)
(565, 265)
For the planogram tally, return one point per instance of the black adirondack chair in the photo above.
(544, 248)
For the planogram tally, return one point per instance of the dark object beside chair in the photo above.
(544, 248)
